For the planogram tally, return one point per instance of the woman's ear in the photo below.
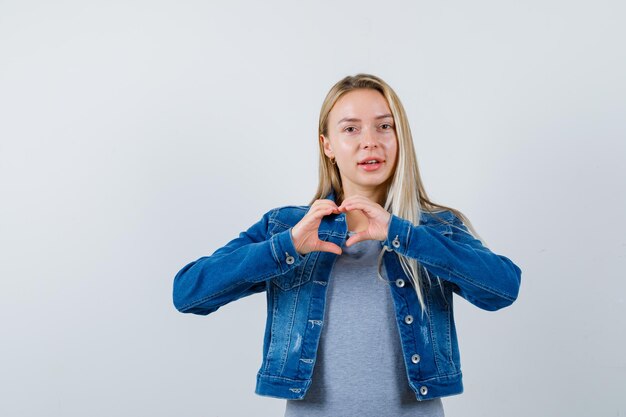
(328, 151)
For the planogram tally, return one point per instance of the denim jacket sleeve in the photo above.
(485, 279)
(238, 269)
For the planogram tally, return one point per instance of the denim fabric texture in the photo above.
(263, 258)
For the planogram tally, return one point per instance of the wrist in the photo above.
(295, 242)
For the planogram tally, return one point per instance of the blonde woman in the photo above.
(360, 283)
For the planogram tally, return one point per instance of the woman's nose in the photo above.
(368, 140)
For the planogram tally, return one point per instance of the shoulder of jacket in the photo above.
(443, 216)
(287, 214)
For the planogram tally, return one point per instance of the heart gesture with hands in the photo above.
(377, 218)
(305, 232)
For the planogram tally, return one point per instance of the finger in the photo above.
(356, 199)
(329, 247)
(324, 211)
(358, 237)
(329, 203)
(323, 204)
(367, 209)
(320, 211)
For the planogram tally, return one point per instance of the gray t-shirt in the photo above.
(359, 370)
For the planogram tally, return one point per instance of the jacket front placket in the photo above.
(332, 229)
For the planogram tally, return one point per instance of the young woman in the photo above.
(359, 284)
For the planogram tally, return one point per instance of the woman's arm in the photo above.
(485, 279)
(238, 269)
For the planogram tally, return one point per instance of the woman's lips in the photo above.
(371, 165)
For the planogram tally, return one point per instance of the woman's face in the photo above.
(362, 140)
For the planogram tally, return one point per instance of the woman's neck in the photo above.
(357, 221)
(377, 195)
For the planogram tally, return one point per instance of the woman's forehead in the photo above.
(360, 104)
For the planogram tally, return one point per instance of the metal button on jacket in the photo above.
(289, 259)
(395, 242)
(408, 319)
(400, 282)
(423, 390)
(415, 358)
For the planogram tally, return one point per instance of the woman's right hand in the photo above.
(305, 233)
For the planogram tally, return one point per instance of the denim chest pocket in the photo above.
(298, 275)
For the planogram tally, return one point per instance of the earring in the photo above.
(332, 161)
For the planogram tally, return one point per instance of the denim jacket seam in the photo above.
(273, 246)
(276, 212)
(209, 297)
(217, 294)
(460, 230)
(279, 223)
(308, 317)
(449, 319)
(284, 352)
(435, 344)
(465, 278)
(270, 346)
(441, 376)
(266, 375)
(291, 322)
(408, 234)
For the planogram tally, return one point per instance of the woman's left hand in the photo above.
(378, 218)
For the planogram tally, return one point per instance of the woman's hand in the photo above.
(304, 233)
(378, 218)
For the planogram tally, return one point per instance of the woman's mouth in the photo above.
(371, 164)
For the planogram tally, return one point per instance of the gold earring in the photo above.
(332, 161)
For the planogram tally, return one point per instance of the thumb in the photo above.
(329, 247)
(357, 237)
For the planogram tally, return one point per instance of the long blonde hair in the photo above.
(406, 196)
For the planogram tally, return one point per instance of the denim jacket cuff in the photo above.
(284, 251)
(398, 234)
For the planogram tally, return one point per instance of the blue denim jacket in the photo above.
(264, 258)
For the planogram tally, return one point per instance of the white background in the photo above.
(137, 136)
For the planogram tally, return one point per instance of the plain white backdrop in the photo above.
(137, 136)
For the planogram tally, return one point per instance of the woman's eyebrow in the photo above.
(354, 119)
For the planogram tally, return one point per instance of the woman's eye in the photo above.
(386, 126)
(350, 129)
